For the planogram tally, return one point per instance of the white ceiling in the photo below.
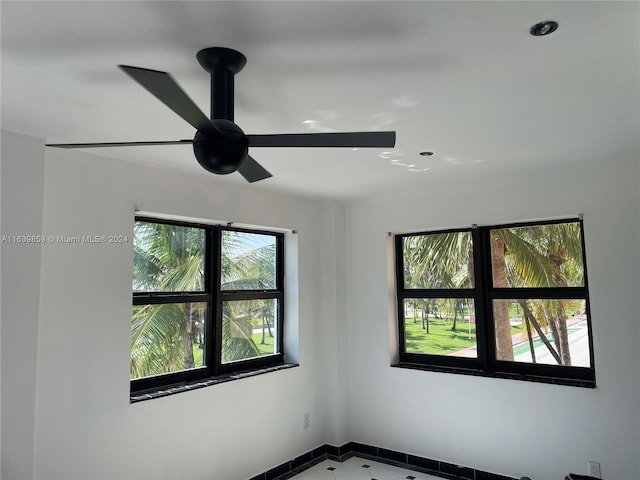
(465, 80)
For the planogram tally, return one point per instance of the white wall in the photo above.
(85, 426)
(335, 341)
(77, 335)
(22, 172)
(504, 426)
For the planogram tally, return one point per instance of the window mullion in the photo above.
(484, 326)
(438, 293)
(280, 270)
(209, 275)
(160, 299)
(400, 289)
(216, 268)
(539, 293)
(249, 294)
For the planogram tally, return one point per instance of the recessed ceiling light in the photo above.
(426, 154)
(544, 28)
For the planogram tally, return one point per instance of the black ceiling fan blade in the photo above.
(252, 171)
(165, 88)
(343, 139)
(117, 144)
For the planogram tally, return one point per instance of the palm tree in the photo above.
(504, 344)
(440, 261)
(246, 268)
(169, 258)
(546, 256)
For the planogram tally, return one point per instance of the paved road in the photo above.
(578, 346)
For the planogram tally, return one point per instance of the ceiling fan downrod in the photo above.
(221, 155)
(222, 63)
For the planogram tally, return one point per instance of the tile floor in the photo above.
(357, 468)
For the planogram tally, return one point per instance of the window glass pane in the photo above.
(553, 332)
(167, 338)
(248, 261)
(439, 260)
(538, 256)
(249, 329)
(440, 326)
(167, 258)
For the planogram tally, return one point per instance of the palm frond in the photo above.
(438, 260)
(237, 341)
(157, 335)
(185, 275)
(528, 267)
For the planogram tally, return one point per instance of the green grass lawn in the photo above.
(267, 348)
(440, 340)
(197, 355)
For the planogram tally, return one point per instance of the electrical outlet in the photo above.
(594, 469)
(306, 420)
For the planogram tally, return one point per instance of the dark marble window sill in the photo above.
(167, 390)
(509, 376)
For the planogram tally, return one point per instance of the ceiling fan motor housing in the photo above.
(221, 155)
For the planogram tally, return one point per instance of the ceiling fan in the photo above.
(219, 145)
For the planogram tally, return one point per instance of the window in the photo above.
(207, 301)
(508, 301)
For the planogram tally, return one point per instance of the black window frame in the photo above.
(483, 293)
(214, 297)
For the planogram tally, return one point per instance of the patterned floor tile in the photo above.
(357, 468)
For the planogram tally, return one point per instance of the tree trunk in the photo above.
(265, 322)
(425, 317)
(504, 343)
(531, 348)
(530, 317)
(455, 319)
(551, 321)
(558, 258)
(471, 265)
(188, 359)
(563, 335)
